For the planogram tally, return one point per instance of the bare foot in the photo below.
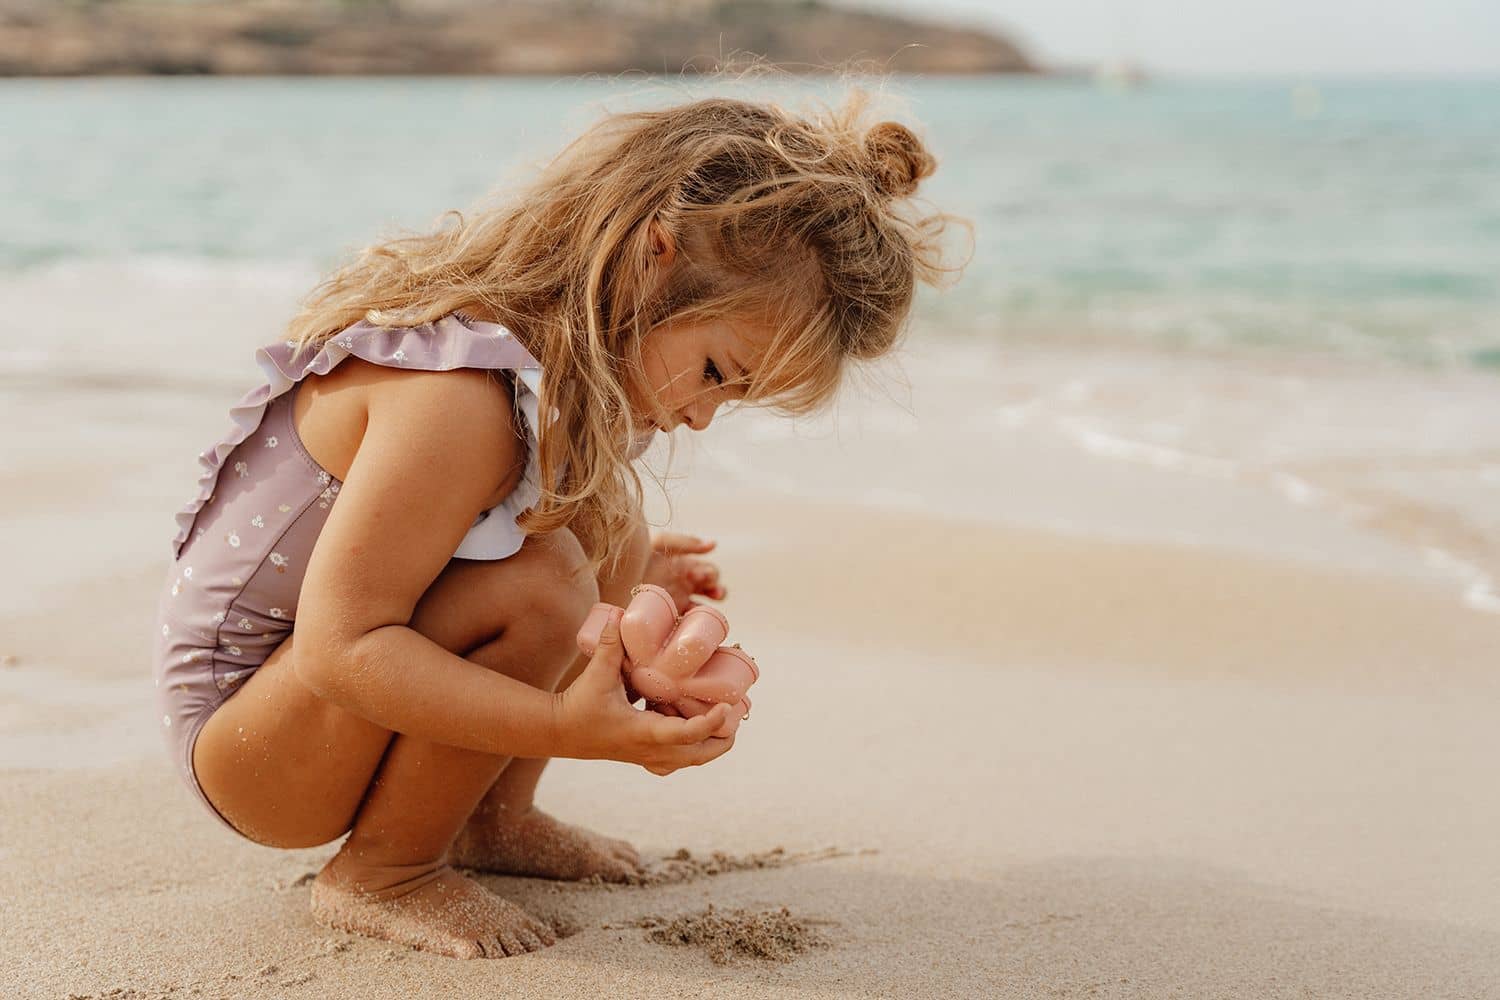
(431, 907)
(532, 843)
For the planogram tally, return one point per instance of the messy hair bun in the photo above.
(897, 159)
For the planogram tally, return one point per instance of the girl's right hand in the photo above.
(595, 721)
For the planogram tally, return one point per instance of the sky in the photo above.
(1243, 37)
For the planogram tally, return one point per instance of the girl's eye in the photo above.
(712, 371)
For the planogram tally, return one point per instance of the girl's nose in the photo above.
(699, 417)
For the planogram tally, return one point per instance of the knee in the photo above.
(301, 839)
(537, 597)
(558, 596)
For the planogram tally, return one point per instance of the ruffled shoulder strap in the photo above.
(446, 344)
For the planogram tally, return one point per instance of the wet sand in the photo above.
(1040, 714)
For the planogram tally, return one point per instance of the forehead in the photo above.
(746, 339)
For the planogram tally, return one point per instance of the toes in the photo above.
(623, 859)
(544, 934)
(512, 946)
(529, 940)
(615, 870)
(466, 949)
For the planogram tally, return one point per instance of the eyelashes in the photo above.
(712, 373)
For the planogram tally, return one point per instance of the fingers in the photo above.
(686, 742)
(609, 637)
(674, 542)
(703, 575)
(669, 731)
(715, 717)
(704, 579)
(693, 756)
(604, 667)
(711, 749)
(700, 753)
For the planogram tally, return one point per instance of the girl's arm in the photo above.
(436, 450)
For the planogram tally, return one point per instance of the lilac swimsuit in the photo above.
(243, 543)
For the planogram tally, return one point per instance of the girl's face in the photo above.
(692, 368)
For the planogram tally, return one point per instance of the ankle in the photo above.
(364, 876)
(366, 855)
(500, 813)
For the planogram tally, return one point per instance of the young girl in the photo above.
(370, 622)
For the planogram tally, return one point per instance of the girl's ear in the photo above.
(663, 249)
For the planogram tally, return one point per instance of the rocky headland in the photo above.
(370, 37)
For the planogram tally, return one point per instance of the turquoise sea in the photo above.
(1361, 218)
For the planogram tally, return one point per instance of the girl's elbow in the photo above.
(320, 666)
(314, 676)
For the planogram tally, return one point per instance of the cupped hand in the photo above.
(595, 721)
(675, 566)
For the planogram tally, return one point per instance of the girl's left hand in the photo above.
(675, 567)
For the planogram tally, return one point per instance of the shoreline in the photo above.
(1321, 460)
(243, 294)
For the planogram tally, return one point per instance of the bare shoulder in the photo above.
(460, 397)
(464, 418)
(437, 420)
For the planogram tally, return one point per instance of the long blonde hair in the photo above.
(793, 218)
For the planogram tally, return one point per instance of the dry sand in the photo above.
(989, 756)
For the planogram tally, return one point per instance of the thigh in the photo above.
(288, 768)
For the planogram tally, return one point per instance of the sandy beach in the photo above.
(1086, 673)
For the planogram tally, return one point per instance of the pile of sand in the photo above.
(774, 935)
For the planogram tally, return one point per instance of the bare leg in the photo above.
(508, 834)
(505, 833)
(290, 769)
(391, 878)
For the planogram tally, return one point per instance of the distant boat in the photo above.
(1120, 74)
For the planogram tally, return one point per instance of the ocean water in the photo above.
(1358, 218)
(1250, 315)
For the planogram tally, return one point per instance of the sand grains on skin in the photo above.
(448, 914)
(536, 845)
